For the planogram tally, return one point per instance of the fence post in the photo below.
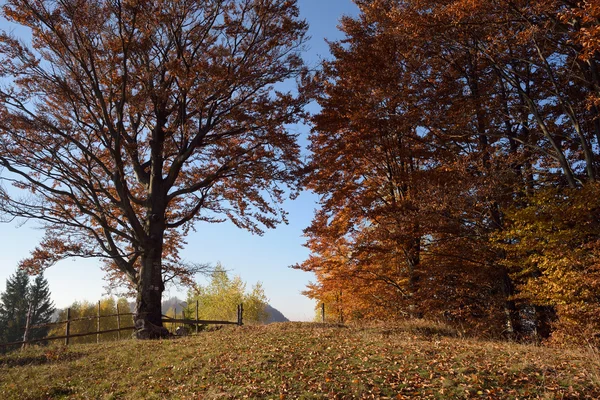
(98, 324)
(197, 303)
(27, 322)
(240, 313)
(173, 326)
(118, 322)
(68, 326)
(323, 311)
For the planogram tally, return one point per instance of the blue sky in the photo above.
(254, 258)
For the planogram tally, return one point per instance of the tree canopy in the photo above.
(454, 148)
(124, 122)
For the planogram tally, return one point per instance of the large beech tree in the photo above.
(124, 122)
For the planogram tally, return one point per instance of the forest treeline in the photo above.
(456, 154)
(455, 151)
(86, 314)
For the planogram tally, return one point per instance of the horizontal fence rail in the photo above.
(197, 321)
(79, 319)
(71, 335)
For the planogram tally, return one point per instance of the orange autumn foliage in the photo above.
(437, 119)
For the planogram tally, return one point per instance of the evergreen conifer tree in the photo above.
(14, 306)
(42, 306)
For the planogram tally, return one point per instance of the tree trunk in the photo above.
(545, 316)
(513, 319)
(148, 313)
(413, 259)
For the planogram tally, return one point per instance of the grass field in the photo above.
(303, 361)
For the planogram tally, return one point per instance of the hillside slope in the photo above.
(275, 315)
(302, 360)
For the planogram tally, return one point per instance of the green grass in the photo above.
(303, 361)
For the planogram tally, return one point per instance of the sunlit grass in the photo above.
(304, 361)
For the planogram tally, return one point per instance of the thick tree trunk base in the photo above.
(145, 329)
(148, 308)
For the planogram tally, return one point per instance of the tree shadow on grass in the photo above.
(54, 355)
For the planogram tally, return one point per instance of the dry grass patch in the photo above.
(302, 361)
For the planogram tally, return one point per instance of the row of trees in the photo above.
(457, 158)
(89, 311)
(24, 300)
(456, 151)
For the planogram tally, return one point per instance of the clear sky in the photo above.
(254, 258)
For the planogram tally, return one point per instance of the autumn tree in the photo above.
(125, 122)
(547, 82)
(85, 314)
(391, 173)
(438, 120)
(218, 300)
(551, 252)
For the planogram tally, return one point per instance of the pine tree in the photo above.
(41, 306)
(14, 307)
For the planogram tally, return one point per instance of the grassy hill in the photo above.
(303, 361)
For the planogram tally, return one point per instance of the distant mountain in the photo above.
(275, 315)
(175, 303)
(56, 315)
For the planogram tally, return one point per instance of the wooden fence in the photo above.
(165, 319)
(197, 322)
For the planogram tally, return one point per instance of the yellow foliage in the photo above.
(89, 311)
(551, 248)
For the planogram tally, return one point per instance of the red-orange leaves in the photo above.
(436, 118)
(130, 121)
